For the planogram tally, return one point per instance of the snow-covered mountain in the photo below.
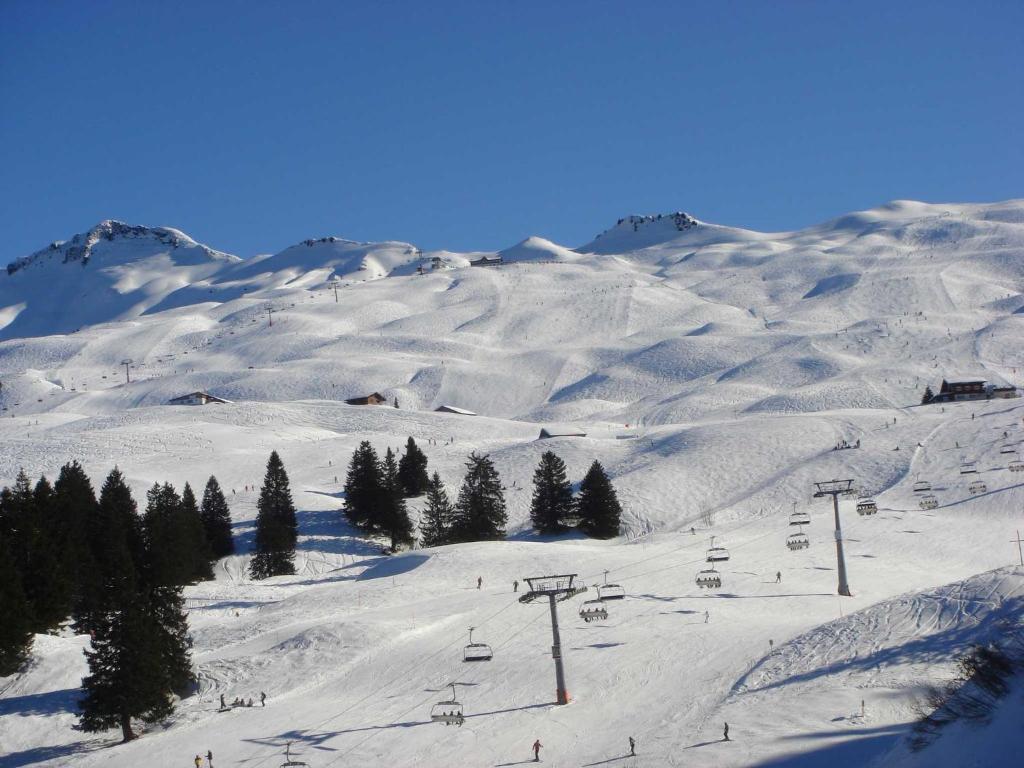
(733, 361)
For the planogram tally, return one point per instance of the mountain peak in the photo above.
(80, 247)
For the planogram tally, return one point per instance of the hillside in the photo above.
(713, 369)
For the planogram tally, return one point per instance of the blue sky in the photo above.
(471, 125)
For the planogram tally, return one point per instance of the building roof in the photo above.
(453, 409)
(561, 430)
(197, 395)
(366, 399)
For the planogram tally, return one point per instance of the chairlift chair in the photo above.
(921, 486)
(797, 541)
(968, 468)
(928, 502)
(800, 518)
(978, 486)
(476, 651)
(593, 610)
(867, 507)
(608, 591)
(448, 712)
(1008, 449)
(709, 578)
(716, 554)
(1016, 465)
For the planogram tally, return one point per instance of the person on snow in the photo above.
(706, 617)
(778, 577)
(632, 747)
(263, 699)
(536, 750)
(515, 586)
(725, 736)
(479, 581)
(223, 705)
(198, 761)
(209, 757)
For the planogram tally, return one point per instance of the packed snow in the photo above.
(713, 371)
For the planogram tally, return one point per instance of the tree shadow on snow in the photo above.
(49, 703)
(39, 754)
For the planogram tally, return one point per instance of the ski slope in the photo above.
(713, 371)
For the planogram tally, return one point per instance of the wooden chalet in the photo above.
(196, 398)
(374, 399)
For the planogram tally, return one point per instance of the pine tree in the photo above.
(276, 528)
(48, 588)
(364, 488)
(216, 518)
(168, 557)
(393, 513)
(117, 542)
(435, 527)
(75, 507)
(16, 623)
(194, 535)
(598, 505)
(552, 503)
(928, 395)
(412, 470)
(480, 510)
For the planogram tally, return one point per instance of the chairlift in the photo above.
(593, 610)
(476, 651)
(921, 486)
(978, 486)
(1008, 449)
(608, 591)
(866, 507)
(716, 554)
(928, 502)
(709, 578)
(797, 541)
(968, 468)
(288, 762)
(1016, 465)
(800, 518)
(448, 712)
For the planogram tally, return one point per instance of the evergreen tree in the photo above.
(74, 509)
(435, 526)
(168, 558)
(552, 503)
(364, 489)
(480, 510)
(117, 542)
(412, 470)
(928, 395)
(16, 621)
(598, 505)
(393, 514)
(216, 518)
(47, 586)
(276, 528)
(194, 535)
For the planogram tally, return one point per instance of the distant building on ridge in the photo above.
(375, 399)
(196, 398)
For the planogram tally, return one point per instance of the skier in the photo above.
(198, 761)
(222, 704)
(632, 747)
(209, 757)
(778, 577)
(263, 699)
(515, 586)
(725, 737)
(706, 616)
(479, 581)
(536, 750)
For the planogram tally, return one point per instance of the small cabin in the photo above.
(375, 399)
(560, 431)
(486, 261)
(1005, 392)
(196, 398)
(453, 409)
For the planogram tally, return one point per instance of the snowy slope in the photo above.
(733, 360)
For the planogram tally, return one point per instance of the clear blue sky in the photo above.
(470, 125)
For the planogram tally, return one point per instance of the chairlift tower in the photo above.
(127, 364)
(334, 285)
(556, 589)
(835, 489)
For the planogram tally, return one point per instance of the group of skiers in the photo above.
(239, 702)
(209, 759)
